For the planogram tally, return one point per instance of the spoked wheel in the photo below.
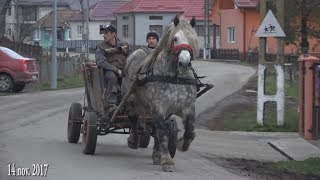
(74, 122)
(173, 136)
(89, 133)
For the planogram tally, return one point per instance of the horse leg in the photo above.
(189, 134)
(162, 134)
(133, 139)
(156, 154)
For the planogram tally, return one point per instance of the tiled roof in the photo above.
(195, 9)
(155, 6)
(246, 3)
(62, 17)
(43, 2)
(188, 8)
(102, 10)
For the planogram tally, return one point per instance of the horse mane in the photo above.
(165, 42)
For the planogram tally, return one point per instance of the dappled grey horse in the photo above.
(167, 86)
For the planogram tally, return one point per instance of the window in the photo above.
(157, 28)
(37, 35)
(200, 30)
(80, 29)
(231, 34)
(155, 17)
(9, 32)
(101, 26)
(9, 11)
(125, 17)
(68, 35)
(60, 34)
(29, 13)
(125, 31)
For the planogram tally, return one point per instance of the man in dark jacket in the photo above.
(111, 55)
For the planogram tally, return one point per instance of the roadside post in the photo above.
(309, 122)
(269, 27)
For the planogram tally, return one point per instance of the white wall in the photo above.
(94, 29)
(74, 33)
(130, 23)
(142, 24)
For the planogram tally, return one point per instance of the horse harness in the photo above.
(175, 80)
(175, 51)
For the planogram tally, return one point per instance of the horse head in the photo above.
(184, 46)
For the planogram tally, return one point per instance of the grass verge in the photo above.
(66, 83)
(310, 166)
(244, 118)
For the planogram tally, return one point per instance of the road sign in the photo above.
(270, 27)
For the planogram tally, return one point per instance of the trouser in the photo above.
(111, 82)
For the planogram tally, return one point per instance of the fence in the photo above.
(225, 54)
(76, 45)
(28, 50)
(66, 66)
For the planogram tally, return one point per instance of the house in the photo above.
(22, 14)
(235, 24)
(43, 28)
(137, 18)
(101, 14)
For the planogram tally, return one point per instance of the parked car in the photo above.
(15, 70)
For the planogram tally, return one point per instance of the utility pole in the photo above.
(206, 26)
(54, 47)
(262, 40)
(85, 25)
(87, 30)
(280, 17)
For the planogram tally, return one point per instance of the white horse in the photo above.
(167, 86)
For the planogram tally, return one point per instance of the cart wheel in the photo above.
(89, 133)
(74, 122)
(173, 136)
(144, 140)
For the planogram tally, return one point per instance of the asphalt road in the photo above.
(33, 132)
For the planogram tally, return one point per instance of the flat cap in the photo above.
(110, 28)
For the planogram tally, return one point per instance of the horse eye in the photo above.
(175, 39)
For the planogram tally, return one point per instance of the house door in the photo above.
(217, 40)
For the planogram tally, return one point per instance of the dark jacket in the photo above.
(112, 57)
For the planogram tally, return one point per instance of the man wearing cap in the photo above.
(111, 56)
(152, 39)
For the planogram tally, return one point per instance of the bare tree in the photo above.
(25, 16)
(298, 26)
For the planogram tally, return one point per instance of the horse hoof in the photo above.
(156, 161)
(156, 158)
(183, 145)
(168, 168)
(180, 144)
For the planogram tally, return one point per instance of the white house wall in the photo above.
(129, 22)
(74, 33)
(94, 29)
(141, 26)
(142, 22)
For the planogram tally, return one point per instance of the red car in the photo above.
(15, 70)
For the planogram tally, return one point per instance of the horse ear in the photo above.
(176, 20)
(193, 22)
